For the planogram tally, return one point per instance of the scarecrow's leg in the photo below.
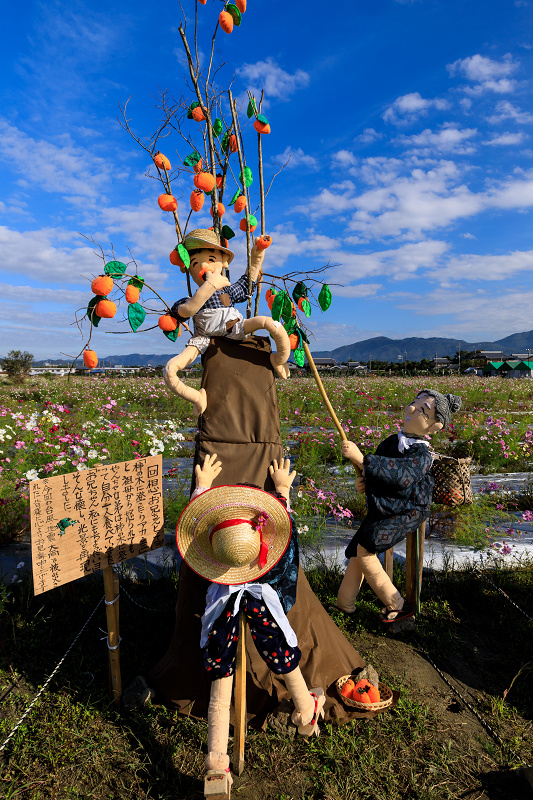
(279, 334)
(308, 704)
(217, 759)
(379, 581)
(176, 385)
(349, 588)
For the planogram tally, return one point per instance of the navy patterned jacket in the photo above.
(399, 487)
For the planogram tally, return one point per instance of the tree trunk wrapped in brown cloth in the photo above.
(241, 425)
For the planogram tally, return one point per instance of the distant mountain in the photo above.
(379, 348)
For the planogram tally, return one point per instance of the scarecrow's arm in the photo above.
(191, 306)
(256, 262)
(206, 474)
(282, 476)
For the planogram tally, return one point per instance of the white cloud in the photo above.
(506, 110)
(368, 136)
(468, 236)
(272, 78)
(507, 138)
(344, 158)
(296, 158)
(362, 290)
(409, 107)
(449, 139)
(488, 267)
(485, 73)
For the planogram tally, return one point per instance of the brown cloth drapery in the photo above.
(241, 425)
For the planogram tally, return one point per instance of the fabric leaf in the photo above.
(232, 9)
(173, 335)
(299, 357)
(251, 110)
(277, 305)
(191, 109)
(290, 325)
(324, 298)
(225, 141)
(192, 159)
(300, 290)
(218, 126)
(235, 197)
(306, 307)
(184, 255)
(248, 177)
(138, 282)
(227, 233)
(136, 315)
(262, 118)
(91, 313)
(286, 311)
(115, 269)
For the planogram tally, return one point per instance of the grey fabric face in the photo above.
(445, 405)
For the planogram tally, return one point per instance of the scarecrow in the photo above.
(243, 540)
(398, 484)
(213, 311)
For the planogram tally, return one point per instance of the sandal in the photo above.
(312, 729)
(217, 784)
(404, 613)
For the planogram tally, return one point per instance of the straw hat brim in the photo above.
(201, 237)
(223, 503)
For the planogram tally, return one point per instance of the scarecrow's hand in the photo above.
(351, 451)
(217, 280)
(282, 476)
(206, 474)
(256, 262)
(360, 485)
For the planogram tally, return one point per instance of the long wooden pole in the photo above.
(239, 722)
(111, 590)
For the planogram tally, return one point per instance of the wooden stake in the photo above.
(111, 589)
(239, 722)
(414, 551)
(389, 562)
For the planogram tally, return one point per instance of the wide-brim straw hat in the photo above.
(202, 237)
(230, 556)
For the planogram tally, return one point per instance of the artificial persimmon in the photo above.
(240, 204)
(349, 686)
(161, 161)
(132, 294)
(264, 241)
(198, 167)
(364, 691)
(176, 259)
(225, 20)
(221, 208)
(168, 323)
(294, 340)
(261, 127)
(105, 308)
(269, 297)
(90, 359)
(242, 225)
(197, 199)
(241, 5)
(167, 202)
(198, 114)
(102, 285)
(203, 2)
(220, 178)
(204, 181)
(232, 141)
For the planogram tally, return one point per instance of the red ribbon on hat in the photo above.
(257, 524)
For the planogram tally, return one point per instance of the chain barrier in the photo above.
(45, 684)
(146, 608)
(488, 580)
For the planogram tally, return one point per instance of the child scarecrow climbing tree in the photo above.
(209, 136)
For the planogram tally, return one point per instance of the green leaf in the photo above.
(218, 126)
(225, 141)
(251, 110)
(115, 269)
(191, 108)
(192, 159)
(91, 313)
(290, 325)
(227, 233)
(184, 255)
(262, 118)
(248, 177)
(277, 305)
(286, 311)
(306, 307)
(235, 197)
(299, 357)
(324, 298)
(300, 290)
(235, 13)
(138, 282)
(136, 315)
(172, 335)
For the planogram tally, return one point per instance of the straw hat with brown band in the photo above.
(201, 238)
(233, 534)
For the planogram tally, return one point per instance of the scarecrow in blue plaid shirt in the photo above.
(212, 308)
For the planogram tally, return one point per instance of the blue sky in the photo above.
(409, 130)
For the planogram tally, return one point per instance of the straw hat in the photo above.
(201, 237)
(233, 534)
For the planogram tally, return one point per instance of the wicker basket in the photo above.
(384, 691)
(452, 481)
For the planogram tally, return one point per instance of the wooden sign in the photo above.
(89, 520)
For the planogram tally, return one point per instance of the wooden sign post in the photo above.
(239, 721)
(90, 520)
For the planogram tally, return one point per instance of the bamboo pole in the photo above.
(239, 722)
(414, 564)
(111, 591)
(389, 562)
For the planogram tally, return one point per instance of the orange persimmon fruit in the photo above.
(240, 204)
(220, 178)
(105, 308)
(90, 359)
(198, 114)
(362, 691)
(221, 208)
(204, 181)
(175, 259)
(168, 323)
(269, 297)
(241, 5)
(242, 225)
(132, 294)
(264, 241)
(167, 202)
(199, 166)
(102, 285)
(233, 143)
(348, 687)
(261, 127)
(225, 21)
(294, 340)
(161, 161)
(197, 199)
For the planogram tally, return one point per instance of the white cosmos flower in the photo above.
(81, 467)
(92, 454)
(32, 475)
